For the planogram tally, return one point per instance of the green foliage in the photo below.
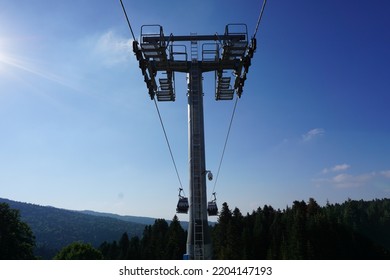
(353, 230)
(16, 238)
(79, 251)
(159, 241)
(56, 228)
(176, 240)
(222, 235)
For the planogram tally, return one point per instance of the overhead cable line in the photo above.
(260, 17)
(235, 104)
(167, 140)
(127, 19)
(155, 103)
(226, 141)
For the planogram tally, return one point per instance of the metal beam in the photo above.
(172, 38)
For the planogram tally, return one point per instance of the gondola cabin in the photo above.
(212, 208)
(182, 205)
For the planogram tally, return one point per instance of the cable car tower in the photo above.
(159, 58)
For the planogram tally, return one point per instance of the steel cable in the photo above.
(260, 17)
(226, 141)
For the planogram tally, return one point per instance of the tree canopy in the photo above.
(79, 251)
(304, 230)
(159, 241)
(16, 238)
(352, 230)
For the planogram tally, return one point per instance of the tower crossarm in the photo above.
(192, 38)
(159, 57)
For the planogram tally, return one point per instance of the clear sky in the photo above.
(79, 131)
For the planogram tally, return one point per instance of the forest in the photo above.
(304, 230)
(352, 230)
(55, 228)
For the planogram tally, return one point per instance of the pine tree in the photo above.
(222, 247)
(124, 245)
(235, 235)
(176, 240)
(298, 241)
(134, 252)
(147, 252)
(159, 231)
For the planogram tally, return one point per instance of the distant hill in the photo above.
(134, 219)
(55, 228)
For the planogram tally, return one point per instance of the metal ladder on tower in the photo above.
(194, 49)
(197, 192)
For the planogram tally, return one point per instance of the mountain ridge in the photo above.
(130, 218)
(55, 228)
(127, 218)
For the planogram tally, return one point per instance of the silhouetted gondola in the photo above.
(182, 204)
(212, 208)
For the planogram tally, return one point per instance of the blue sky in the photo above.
(79, 131)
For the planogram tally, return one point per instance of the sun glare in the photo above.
(3, 55)
(11, 63)
(4, 62)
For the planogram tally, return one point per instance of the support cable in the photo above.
(155, 103)
(226, 140)
(235, 104)
(260, 17)
(127, 19)
(169, 146)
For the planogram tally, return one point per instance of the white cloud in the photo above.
(351, 181)
(336, 168)
(112, 48)
(341, 178)
(312, 134)
(345, 180)
(385, 173)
